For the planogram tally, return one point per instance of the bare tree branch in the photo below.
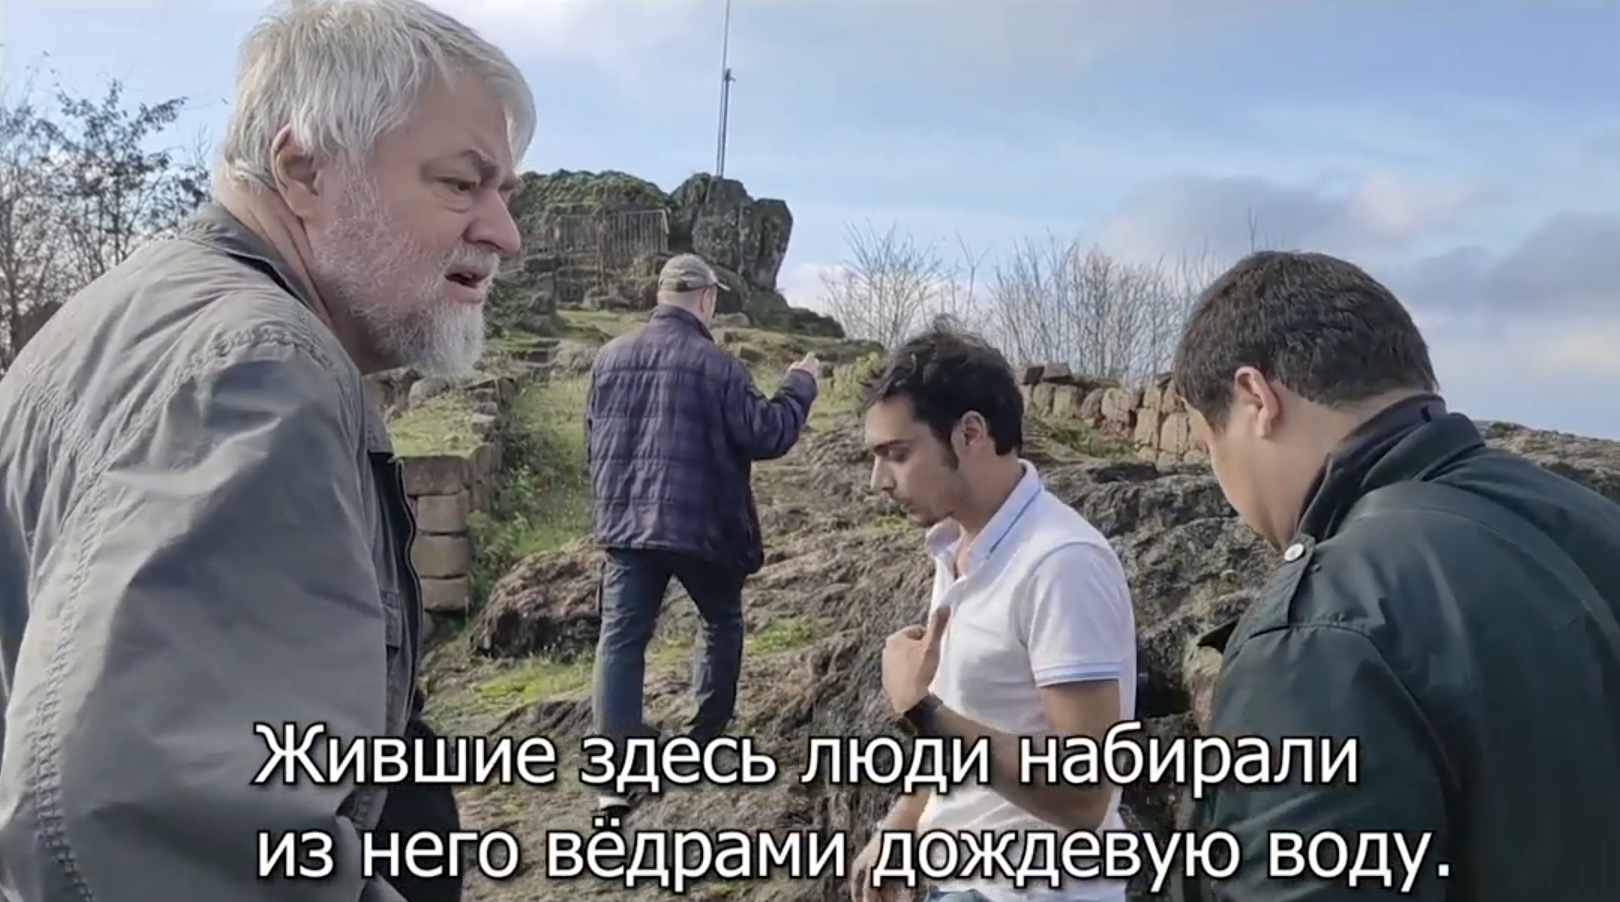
(887, 286)
(1056, 300)
(81, 186)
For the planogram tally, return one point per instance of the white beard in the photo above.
(370, 266)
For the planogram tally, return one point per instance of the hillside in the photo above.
(495, 468)
(842, 572)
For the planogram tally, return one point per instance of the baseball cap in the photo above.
(688, 272)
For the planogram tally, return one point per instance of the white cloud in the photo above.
(1392, 208)
(1230, 215)
(1568, 264)
(803, 283)
(1552, 372)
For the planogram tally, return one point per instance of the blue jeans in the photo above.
(630, 597)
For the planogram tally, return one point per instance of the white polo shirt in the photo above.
(1042, 601)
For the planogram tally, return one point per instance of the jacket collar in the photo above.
(1412, 439)
(666, 315)
(215, 227)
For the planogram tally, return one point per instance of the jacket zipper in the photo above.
(401, 510)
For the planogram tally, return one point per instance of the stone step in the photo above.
(535, 355)
(532, 368)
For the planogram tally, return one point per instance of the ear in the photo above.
(295, 171)
(972, 429)
(1251, 390)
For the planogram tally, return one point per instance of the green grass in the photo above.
(1081, 439)
(599, 325)
(528, 681)
(888, 523)
(440, 425)
(780, 635)
(543, 502)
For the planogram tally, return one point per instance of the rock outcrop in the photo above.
(598, 240)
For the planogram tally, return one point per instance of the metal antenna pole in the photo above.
(725, 94)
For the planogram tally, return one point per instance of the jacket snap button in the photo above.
(1293, 553)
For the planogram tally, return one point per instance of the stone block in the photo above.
(1148, 422)
(441, 557)
(438, 474)
(486, 459)
(1175, 435)
(1031, 375)
(443, 514)
(1152, 395)
(1066, 401)
(1119, 409)
(1169, 398)
(446, 595)
(1091, 407)
(1040, 398)
(1056, 372)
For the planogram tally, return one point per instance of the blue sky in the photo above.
(1466, 152)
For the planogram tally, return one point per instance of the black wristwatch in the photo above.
(922, 719)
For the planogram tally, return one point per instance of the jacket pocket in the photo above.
(394, 614)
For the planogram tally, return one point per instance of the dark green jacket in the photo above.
(1453, 608)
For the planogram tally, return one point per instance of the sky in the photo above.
(1466, 153)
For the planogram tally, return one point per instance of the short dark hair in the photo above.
(1319, 325)
(945, 373)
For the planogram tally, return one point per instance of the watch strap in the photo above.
(921, 719)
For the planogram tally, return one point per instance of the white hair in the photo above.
(343, 73)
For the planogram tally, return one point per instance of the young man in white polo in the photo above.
(1030, 635)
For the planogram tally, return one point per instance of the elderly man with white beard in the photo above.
(205, 587)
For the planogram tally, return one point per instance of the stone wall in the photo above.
(445, 489)
(1151, 418)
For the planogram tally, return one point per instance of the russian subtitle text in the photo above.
(310, 753)
(310, 854)
(1036, 858)
(645, 763)
(1389, 859)
(674, 859)
(925, 763)
(1125, 757)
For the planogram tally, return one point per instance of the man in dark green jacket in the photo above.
(1445, 609)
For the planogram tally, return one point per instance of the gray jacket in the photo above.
(202, 528)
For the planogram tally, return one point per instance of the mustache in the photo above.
(475, 260)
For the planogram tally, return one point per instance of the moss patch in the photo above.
(440, 425)
(1070, 439)
(544, 498)
(493, 688)
(779, 636)
(600, 325)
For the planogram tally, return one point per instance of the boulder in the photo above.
(727, 227)
(598, 240)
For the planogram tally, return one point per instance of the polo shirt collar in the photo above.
(942, 539)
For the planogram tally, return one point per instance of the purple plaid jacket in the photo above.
(673, 425)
